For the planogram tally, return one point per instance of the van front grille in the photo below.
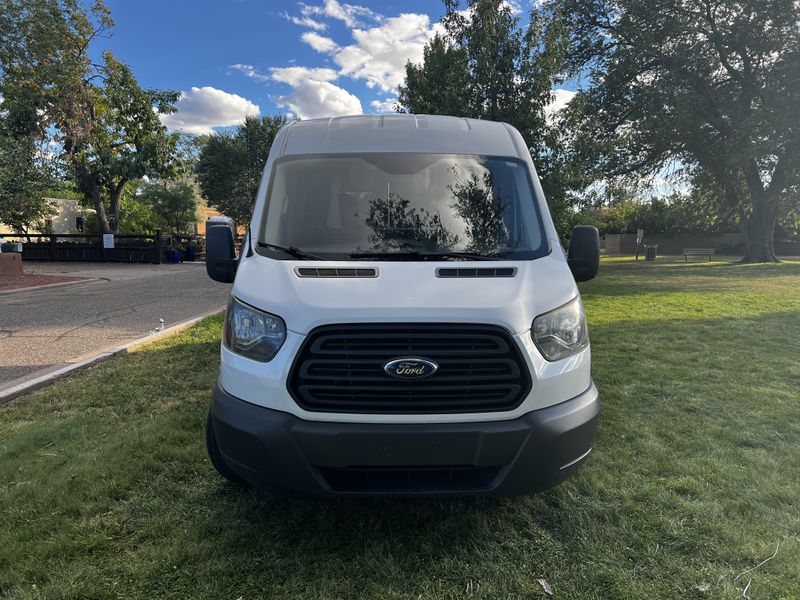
(340, 368)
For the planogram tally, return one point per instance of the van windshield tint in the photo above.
(385, 204)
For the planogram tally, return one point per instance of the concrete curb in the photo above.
(45, 377)
(33, 288)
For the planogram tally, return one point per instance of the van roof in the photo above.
(400, 133)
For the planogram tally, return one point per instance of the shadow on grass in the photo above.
(646, 397)
(668, 408)
(632, 279)
(677, 489)
(634, 269)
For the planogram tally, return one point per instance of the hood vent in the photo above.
(334, 272)
(478, 272)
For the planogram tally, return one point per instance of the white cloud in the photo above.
(312, 98)
(318, 42)
(562, 98)
(380, 53)
(305, 21)
(250, 71)
(313, 95)
(296, 75)
(514, 5)
(349, 14)
(389, 105)
(201, 109)
(377, 55)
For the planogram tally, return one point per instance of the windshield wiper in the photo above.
(291, 251)
(416, 255)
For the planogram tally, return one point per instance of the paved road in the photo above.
(46, 328)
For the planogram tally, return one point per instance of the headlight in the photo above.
(562, 331)
(252, 333)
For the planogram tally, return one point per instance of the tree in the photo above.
(438, 86)
(118, 137)
(486, 66)
(174, 202)
(25, 176)
(27, 165)
(712, 84)
(105, 125)
(230, 165)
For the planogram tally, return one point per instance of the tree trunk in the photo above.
(760, 226)
(115, 193)
(759, 231)
(100, 210)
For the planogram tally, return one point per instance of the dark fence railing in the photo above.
(85, 247)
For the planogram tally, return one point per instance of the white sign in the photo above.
(639, 235)
(108, 240)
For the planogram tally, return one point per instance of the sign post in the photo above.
(639, 237)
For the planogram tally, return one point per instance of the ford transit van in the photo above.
(403, 319)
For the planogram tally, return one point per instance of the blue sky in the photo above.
(231, 58)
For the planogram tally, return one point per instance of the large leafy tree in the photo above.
(113, 136)
(27, 165)
(175, 202)
(25, 176)
(486, 65)
(105, 126)
(439, 85)
(231, 162)
(711, 84)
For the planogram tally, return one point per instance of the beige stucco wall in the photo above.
(65, 212)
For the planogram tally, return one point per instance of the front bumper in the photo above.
(286, 455)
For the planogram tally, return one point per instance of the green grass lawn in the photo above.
(106, 491)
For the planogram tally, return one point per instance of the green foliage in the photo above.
(104, 124)
(715, 85)
(487, 66)
(121, 140)
(24, 179)
(27, 168)
(439, 85)
(137, 216)
(175, 203)
(107, 491)
(231, 163)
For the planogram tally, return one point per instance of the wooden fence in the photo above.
(84, 247)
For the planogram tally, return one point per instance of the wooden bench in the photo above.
(687, 252)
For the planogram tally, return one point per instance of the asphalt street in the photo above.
(49, 327)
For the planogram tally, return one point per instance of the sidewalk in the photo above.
(46, 328)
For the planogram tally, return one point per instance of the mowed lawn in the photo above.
(106, 491)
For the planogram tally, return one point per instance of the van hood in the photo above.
(404, 292)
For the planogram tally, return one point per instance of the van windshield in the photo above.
(401, 206)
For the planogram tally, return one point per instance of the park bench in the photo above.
(687, 252)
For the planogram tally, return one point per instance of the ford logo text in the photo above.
(411, 368)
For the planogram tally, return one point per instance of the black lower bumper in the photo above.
(279, 452)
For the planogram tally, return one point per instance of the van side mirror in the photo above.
(584, 252)
(220, 253)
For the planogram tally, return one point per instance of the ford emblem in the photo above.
(411, 368)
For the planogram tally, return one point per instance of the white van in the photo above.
(403, 319)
